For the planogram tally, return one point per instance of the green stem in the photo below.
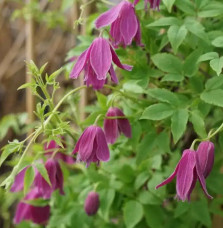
(38, 132)
(210, 135)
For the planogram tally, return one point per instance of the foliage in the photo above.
(172, 97)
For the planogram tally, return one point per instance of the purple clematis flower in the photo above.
(187, 172)
(92, 146)
(92, 203)
(113, 127)
(124, 23)
(36, 214)
(205, 155)
(154, 4)
(56, 179)
(96, 62)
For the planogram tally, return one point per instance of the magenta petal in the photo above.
(205, 154)
(65, 158)
(100, 57)
(136, 2)
(78, 67)
(91, 203)
(40, 215)
(113, 75)
(59, 179)
(201, 178)
(185, 174)
(128, 24)
(116, 33)
(117, 61)
(169, 179)
(123, 124)
(86, 143)
(109, 16)
(111, 127)
(22, 213)
(19, 181)
(102, 150)
(138, 37)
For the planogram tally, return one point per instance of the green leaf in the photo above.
(208, 56)
(106, 198)
(164, 95)
(198, 123)
(157, 112)
(196, 28)
(42, 170)
(176, 36)
(141, 179)
(191, 65)
(26, 85)
(199, 210)
(218, 42)
(28, 179)
(179, 123)
(154, 216)
(214, 83)
(54, 75)
(173, 77)
(169, 4)
(217, 65)
(165, 21)
(133, 213)
(213, 97)
(167, 63)
(10, 148)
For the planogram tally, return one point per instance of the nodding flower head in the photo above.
(36, 214)
(92, 203)
(96, 62)
(113, 127)
(124, 23)
(92, 146)
(187, 172)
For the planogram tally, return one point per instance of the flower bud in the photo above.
(205, 156)
(91, 204)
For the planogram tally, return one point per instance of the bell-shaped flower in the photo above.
(96, 62)
(124, 23)
(205, 156)
(113, 127)
(36, 214)
(92, 203)
(55, 176)
(154, 4)
(187, 172)
(92, 146)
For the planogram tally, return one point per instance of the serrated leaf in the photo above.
(167, 63)
(157, 112)
(179, 123)
(164, 95)
(28, 179)
(133, 213)
(176, 36)
(42, 170)
(213, 97)
(217, 65)
(54, 74)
